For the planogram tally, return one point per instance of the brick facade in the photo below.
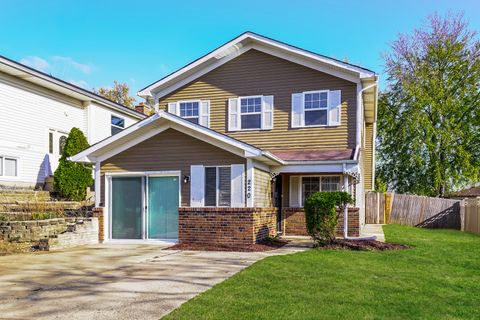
(226, 226)
(294, 222)
(98, 213)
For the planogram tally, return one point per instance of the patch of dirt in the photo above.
(7, 248)
(258, 247)
(362, 245)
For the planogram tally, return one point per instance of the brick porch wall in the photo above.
(294, 222)
(226, 226)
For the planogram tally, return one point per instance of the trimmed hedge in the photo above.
(321, 214)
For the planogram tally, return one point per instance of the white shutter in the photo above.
(295, 191)
(197, 185)
(335, 108)
(233, 114)
(173, 108)
(204, 113)
(298, 118)
(238, 185)
(267, 112)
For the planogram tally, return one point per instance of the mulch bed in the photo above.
(258, 247)
(362, 245)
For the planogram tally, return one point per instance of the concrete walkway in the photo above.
(376, 230)
(112, 281)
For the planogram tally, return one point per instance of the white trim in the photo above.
(85, 155)
(300, 187)
(17, 175)
(250, 184)
(189, 101)
(316, 109)
(250, 113)
(217, 186)
(242, 44)
(98, 186)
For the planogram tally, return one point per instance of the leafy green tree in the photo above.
(71, 179)
(321, 216)
(429, 116)
(120, 93)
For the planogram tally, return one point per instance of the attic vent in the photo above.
(228, 51)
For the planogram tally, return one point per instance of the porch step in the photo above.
(41, 206)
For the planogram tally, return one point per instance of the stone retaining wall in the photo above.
(226, 226)
(294, 222)
(52, 233)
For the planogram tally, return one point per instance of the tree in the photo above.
(321, 216)
(71, 179)
(429, 116)
(120, 93)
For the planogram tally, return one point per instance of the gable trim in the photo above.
(236, 45)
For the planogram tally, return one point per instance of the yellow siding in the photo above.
(263, 190)
(368, 157)
(257, 73)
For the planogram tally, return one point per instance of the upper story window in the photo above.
(250, 113)
(196, 111)
(316, 108)
(8, 166)
(117, 124)
(190, 111)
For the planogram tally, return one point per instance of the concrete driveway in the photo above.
(112, 281)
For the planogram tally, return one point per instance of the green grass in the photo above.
(439, 278)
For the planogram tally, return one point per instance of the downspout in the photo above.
(345, 210)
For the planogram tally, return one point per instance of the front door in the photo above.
(145, 207)
(162, 208)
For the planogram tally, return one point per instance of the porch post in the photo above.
(250, 184)
(97, 184)
(345, 210)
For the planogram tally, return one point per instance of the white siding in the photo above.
(28, 112)
(100, 118)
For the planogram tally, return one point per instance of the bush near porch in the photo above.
(437, 279)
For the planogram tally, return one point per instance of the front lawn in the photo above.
(439, 278)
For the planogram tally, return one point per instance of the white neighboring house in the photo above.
(37, 111)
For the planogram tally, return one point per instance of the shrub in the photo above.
(71, 179)
(321, 214)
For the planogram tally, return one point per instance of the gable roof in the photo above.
(160, 122)
(243, 43)
(42, 79)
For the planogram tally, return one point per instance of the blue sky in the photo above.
(93, 43)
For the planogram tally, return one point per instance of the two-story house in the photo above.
(242, 137)
(37, 111)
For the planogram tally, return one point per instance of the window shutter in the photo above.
(204, 113)
(267, 112)
(295, 191)
(173, 108)
(197, 185)
(233, 114)
(238, 188)
(335, 108)
(297, 110)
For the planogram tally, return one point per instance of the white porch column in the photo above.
(250, 184)
(97, 184)
(345, 210)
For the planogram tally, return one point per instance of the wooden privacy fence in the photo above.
(470, 211)
(412, 210)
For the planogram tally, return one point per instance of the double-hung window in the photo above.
(190, 110)
(313, 184)
(251, 113)
(8, 166)
(316, 108)
(218, 186)
(117, 124)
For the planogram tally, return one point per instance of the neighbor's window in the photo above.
(217, 186)
(190, 111)
(8, 167)
(61, 144)
(251, 112)
(316, 108)
(50, 142)
(118, 124)
(310, 185)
